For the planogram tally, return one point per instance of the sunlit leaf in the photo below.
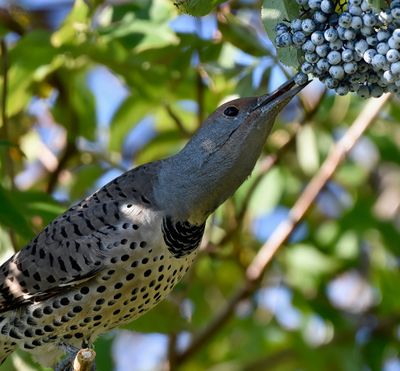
(273, 12)
(74, 25)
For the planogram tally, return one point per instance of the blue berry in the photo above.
(301, 78)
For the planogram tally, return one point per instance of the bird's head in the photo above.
(221, 155)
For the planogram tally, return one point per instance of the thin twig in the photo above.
(200, 90)
(216, 323)
(302, 205)
(69, 151)
(178, 122)
(9, 167)
(172, 351)
(258, 266)
(4, 133)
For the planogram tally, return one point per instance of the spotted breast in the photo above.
(104, 262)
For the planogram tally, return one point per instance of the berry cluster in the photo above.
(354, 50)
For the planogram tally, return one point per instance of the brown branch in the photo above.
(9, 166)
(84, 360)
(9, 20)
(70, 150)
(302, 205)
(4, 133)
(216, 323)
(178, 122)
(200, 90)
(172, 352)
(259, 264)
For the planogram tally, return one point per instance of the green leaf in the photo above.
(103, 347)
(268, 193)
(196, 8)
(84, 179)
(150, 32)
(273, 12)
(27, 67)
(305, 266)
(130, 112)
(244, 36)
(74, 26)
(12, 216)
(36, 203)
(164, 318)
(307, 150)
(75, 106)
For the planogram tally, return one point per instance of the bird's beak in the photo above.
(280, 97)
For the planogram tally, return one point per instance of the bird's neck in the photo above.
(191, 185)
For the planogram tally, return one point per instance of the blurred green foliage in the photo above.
(330, 299)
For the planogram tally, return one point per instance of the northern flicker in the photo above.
(116, 254)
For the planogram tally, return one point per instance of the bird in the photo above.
(116, 254)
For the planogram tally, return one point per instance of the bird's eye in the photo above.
(231, 111)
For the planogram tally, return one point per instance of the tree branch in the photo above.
(178, 122)
(172, 351)
(8, 164)
(69, 151)
(338, 153)
(259, 264)
(84, 360)
(200, 90)
(4, 133)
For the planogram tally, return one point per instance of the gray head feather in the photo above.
(219, 157)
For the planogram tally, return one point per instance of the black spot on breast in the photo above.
(48, 328)
(147, 273)
(84, 290)
(124, 258)
(37, 313)
(47, 310)
(14, 334)
(181, 237)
